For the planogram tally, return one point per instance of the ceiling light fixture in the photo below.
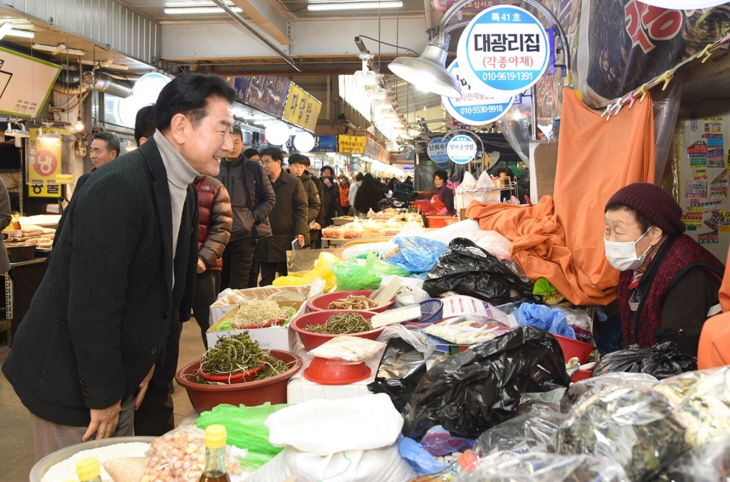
(198, 10)
(428, 72)
(7, 29)
(320, 7)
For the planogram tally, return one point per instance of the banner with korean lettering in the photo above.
(628, 43)
(351, 144)
(301, 108)
(44, 173)
(265, 93)
(321, 144)
(372, 149)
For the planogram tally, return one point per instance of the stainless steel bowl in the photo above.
(44, 464)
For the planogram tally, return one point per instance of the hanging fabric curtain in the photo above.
(561, 239)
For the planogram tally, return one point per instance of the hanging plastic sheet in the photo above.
(482, 387)
(666, 110)
(469, 270)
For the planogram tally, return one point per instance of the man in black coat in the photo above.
(298, 164)
(288, 219)
(124, 261)
(331, 199)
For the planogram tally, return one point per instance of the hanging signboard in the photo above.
(474, 107)
(44, 172)
(437, 152)
(321, 144)
(504, 49)
(301, 108)
(25, 83)
(372, 149)
(461, 149)
(351, 144)
(267, 94)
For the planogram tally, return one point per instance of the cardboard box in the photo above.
(274, 337)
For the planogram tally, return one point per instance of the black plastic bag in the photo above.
(400, 370)
(662, 361)
(470, 270)
(481, 387)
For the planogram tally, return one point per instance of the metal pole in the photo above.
(253, 30)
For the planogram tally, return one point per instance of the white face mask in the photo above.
(622, 256)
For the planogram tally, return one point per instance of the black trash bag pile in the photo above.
(470, 270)
(481, 387)
(635, 426)
(661, 361)
(543, 467)
(400, 370)
(707, 463)
(534, 431)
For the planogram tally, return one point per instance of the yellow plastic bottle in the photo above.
(215, 451)
(88, 470)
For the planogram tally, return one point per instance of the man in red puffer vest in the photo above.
(214, 231)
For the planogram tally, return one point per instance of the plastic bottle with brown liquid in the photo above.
(466, 463)
(215, 451)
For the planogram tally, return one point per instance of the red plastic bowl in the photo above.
(321, 302)
(573, 348)
(335, 372)
(313, 340)
(251, 394)
(246, 376)
(581, 375)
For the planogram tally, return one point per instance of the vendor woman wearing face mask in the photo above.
(668, 281)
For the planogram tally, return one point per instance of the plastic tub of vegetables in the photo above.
(347, 300)
(233, 355)
(320, 326)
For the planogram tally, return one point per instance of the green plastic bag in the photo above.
(354, 275)
(550, 295)
(246, 430)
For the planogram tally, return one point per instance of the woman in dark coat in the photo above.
(368, 195)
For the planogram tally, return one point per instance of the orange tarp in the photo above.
(714, 347)
(561, 239)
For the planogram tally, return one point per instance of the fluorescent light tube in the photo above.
(197, 10)
(353, 6)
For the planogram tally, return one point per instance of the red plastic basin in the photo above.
(335, 372)
(313, 340)
(439, 221)
(246, 376)
(575, 348)
(321, 302)
(251, 394)
(581, 375)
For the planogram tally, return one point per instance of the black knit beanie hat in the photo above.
(654, 203)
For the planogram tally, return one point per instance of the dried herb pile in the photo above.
(342, 324)
(237, 354)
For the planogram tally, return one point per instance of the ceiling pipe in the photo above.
(253, 30)
(70, 85)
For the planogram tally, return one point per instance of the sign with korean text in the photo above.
(25, 83)
(505, 49)
(373, 149)
(474, 107)
(265, 93)
(351, 144)
(461, 149)
(44, 165)
(321, 144)
(301, 108)
(437, 152)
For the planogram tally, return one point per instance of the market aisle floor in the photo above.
(16, 431)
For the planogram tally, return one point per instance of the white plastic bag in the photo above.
(348, 348)
(378, 465)
(326, 427)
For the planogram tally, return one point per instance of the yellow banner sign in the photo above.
(301, 108)
(44, 164)
(352, 144)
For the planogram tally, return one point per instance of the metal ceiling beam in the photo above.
(268, 17)
(256, 33)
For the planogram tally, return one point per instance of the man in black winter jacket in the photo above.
(84, 354)
(298, 164)
(331, 195)
(252, 200)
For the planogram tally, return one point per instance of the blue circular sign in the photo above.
(461, 149)
(474, 107)
(437, 152)
(504, 48)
